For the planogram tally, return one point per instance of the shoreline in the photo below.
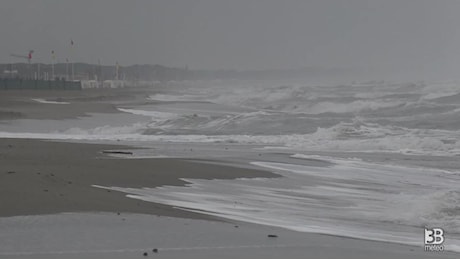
(43, 177)
(22, 104)
(40, 180)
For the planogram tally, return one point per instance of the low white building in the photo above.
(88, 84)
(113, 84)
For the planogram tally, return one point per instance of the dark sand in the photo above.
(40, 177)
(43, 177)
(19, 104)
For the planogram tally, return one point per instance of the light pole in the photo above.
(52, 64)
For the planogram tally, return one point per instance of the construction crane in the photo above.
(27, 57)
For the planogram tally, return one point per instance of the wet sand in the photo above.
(40, 177)
(19, 104)
(90, 235)
(40, 180)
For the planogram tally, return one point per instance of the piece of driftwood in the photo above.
(117, 152)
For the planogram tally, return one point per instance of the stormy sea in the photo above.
(374, 160)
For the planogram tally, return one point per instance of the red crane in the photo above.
(28, 57)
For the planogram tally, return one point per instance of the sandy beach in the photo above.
(50, 208)
(22, 104)
(229, 129)
(41, 178)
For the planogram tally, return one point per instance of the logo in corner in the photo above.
(434, 239)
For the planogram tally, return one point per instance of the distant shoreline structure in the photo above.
(146, 72)
(38, 84)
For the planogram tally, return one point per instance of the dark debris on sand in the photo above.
(117, 152)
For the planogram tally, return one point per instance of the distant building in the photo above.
(10, 74)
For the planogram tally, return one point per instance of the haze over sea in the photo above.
(374, 160)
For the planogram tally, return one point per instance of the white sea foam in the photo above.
(152, 114)
(389, 203)
(441, 89)
(106, 130)
(349, 198)
(355, 136)
(353, 107)
(43, 101)
(297, 98)
(173, 98)
(291, 116)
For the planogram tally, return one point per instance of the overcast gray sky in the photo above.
(239, 34)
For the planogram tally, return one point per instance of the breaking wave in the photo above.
(362, 117)
(355, 136)
(349, 198)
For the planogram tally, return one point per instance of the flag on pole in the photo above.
(53, 55)
(73, 58)
(30, 55)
